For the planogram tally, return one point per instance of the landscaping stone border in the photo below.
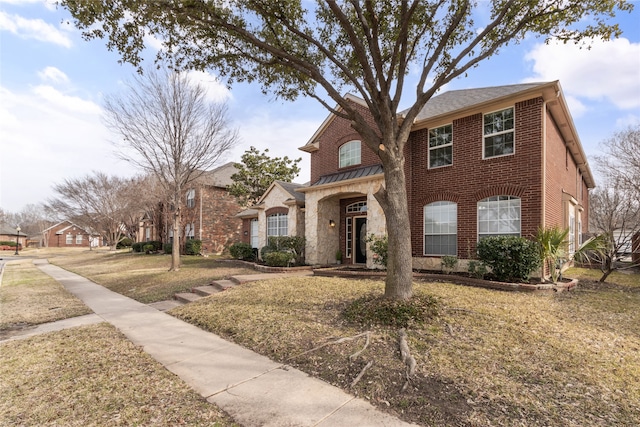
(462, 280)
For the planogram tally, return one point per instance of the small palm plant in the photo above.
(553, 244)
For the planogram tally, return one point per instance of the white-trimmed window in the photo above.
(255, 239)
(277, 225)
(440, 146)
(69, 239)
(350, 154)
(441, 228)
(499, 216)
(78, 239)
(189, 231)
(498, 133)
(349, 235)
(191, 198)
(572, 230)
(357, 207)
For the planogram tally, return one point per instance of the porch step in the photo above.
(186, 297)
(223, 284)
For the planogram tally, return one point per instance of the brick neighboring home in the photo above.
(66, 234)
(279, 212)
(10, 234)
(479, 162)
(208, 214)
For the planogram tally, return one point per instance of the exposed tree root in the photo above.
(356, 379)
(338, 341)
(407, 358)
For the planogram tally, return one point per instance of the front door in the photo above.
(360, 241)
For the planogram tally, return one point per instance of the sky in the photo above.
(53, 83)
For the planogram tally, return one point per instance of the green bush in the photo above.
(137, 247)
(477, 269)
(192, 247)
(125, 242)
(278, 259)
(511, 258)
(7, 243)
(379, 247)
(292, 244)
(449, 263)
(242, 251)
(168, 248)
(148, 248)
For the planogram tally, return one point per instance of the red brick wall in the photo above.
(60, 240)
(325, 160)
(470, 178)
(220, 227)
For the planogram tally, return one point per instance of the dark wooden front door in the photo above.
(360, 241)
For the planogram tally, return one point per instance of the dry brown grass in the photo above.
(490, 358)
(93, 376)
(30, 297)
(146, 278)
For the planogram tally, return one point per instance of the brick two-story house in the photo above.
(208, 213)
(479, 162)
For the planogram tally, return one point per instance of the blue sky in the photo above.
(52, 84)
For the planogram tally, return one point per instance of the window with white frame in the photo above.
(499, 216)
(357, 207)
(69, 239)
(255, 239)
(189, 231)
(441, 228)
(349, 236)
(277, 225)
(349, 154)
(498, 131)
(78, 239)
(440, 146)
(191, 198)
(572, 230)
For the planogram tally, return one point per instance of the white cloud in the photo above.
(608, 71)
(58, 100)
(35, 29)
(628, 120)
(53, 74)
(216, 91)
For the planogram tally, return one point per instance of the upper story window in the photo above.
(440, 146)
(277, 225)
(350, 154)
(441, 228)
(191, 198)
(498, 133)
(499, 216)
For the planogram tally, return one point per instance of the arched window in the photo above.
(277, 225)
(349, 154)
(441, 228)
(499, 216)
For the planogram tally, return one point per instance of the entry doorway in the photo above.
(360, 241)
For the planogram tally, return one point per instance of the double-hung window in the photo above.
(277, 225)
(78, 239)
(191, 198)
(69, 240)
(499, 216)
(441, 228)
(498, 131)
(440, 146)
(349, 154)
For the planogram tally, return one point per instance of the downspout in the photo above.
(544, 165)
(200, 225)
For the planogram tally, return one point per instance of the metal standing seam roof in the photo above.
(350, 174)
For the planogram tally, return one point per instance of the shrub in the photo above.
(137, 247)
(511, 258)
(125, 242)
(242, 251)
(449, 263)
(148, 248)
(372, 310)
(292, 244)
(192, 247)
(168, 248)
(477, 269)
(379, 247)
(7, 243)
(278, 259)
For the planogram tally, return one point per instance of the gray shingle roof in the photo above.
(350, 174)
(451, 101)
(291, 187)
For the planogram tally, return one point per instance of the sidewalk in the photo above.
(254, 390)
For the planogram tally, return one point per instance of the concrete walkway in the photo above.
(254, 390)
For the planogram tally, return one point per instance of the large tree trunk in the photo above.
(175, 247)
(393, 199)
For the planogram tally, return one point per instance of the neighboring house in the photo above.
(208, 213)
(10, 234)
(66, 234)
(479, 162)
(279, 212)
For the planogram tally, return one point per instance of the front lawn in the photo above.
(488, 357)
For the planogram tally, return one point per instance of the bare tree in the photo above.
(614, 213)
(97, 202)
(620, 163)
(174, 132)
(298, 48)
